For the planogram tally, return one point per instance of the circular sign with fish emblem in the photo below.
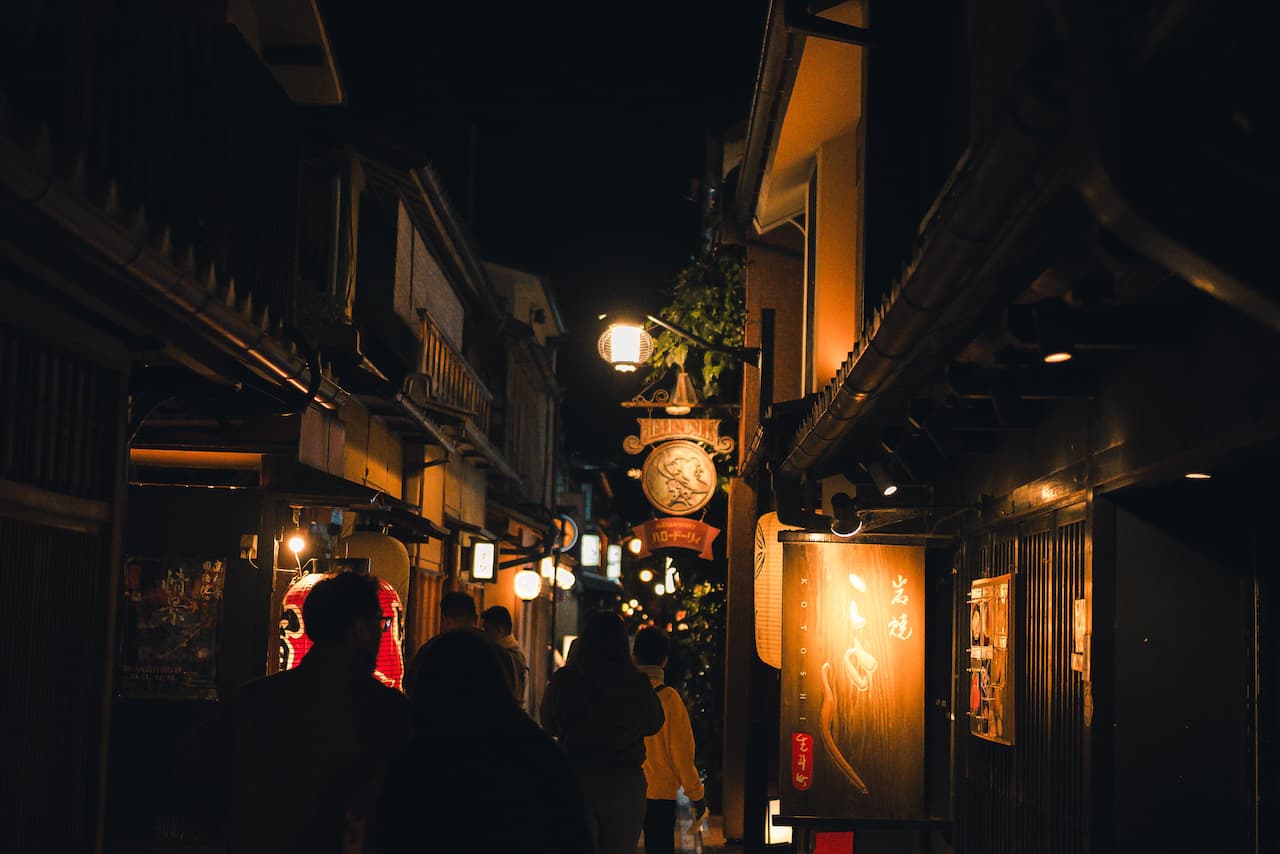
(679, 478)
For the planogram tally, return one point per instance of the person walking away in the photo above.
(480, 776)
(601, 708)
(457, 612)
(497, 626)
(306, 748)
(668, 761)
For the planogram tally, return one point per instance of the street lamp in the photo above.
(626, 345)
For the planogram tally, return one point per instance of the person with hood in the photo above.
(480, 775)
(601, 708)
(668, 763)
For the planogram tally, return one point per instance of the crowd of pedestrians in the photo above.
(456, 763)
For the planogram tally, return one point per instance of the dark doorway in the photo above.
(1179, 741)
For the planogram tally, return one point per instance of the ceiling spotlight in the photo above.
(1197, 475)
(1052, 327)
(846, 523)
(880, 477)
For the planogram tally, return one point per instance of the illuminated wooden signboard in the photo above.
(990, 683)
(852, 728)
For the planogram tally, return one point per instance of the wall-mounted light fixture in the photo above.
(482, 561)
(846, 522)
(882, 479)
(1053, 328)
(625, 345)
(589, 554)
(634, 545)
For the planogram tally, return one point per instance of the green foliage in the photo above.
(701, 651)
(709, 300)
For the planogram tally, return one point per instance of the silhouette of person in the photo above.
(498, 628)
(668, 761)
(479, 776)
(308, 746)
(601, 708)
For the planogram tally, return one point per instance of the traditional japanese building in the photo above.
(1006, 263)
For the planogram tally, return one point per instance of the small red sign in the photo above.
(801, 761)
(675, 532)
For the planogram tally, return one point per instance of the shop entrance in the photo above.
(1177, 663)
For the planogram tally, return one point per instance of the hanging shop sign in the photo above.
(679, 478)
(170, 617)
(613, 561)
(654, 431)
(675, 533)
(852, 726)
(768, 589)
(990, 683)
(294, 643)
(589, 554)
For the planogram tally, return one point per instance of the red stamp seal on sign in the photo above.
(801, 761)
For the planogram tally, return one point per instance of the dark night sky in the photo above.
(589, 126)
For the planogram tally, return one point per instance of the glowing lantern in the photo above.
(528, 584)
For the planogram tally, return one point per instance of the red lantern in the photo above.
(294, 643)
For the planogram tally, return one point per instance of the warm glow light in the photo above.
(1057, 357)
(890, 489)
(564, 578)
(635, 474)
(660, 589)
(297, 543)
(1197, 475)
(634, 545)
(634, 603)
(646, 575)
(589, 554)
(613, 561)
(684, 627)
(482, 554)
(547, 567)
(626, 346)
(528, 584)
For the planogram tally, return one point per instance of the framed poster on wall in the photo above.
(990, 683)
(169, 628)
(852, 728)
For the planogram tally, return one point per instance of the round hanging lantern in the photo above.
(295, 644)
(528, 584)
(626, 346)
(564, 578)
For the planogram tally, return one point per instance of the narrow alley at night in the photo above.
(743, 426)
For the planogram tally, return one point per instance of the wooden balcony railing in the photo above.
(452, 381)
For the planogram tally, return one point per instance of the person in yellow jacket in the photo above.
(668, 763)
